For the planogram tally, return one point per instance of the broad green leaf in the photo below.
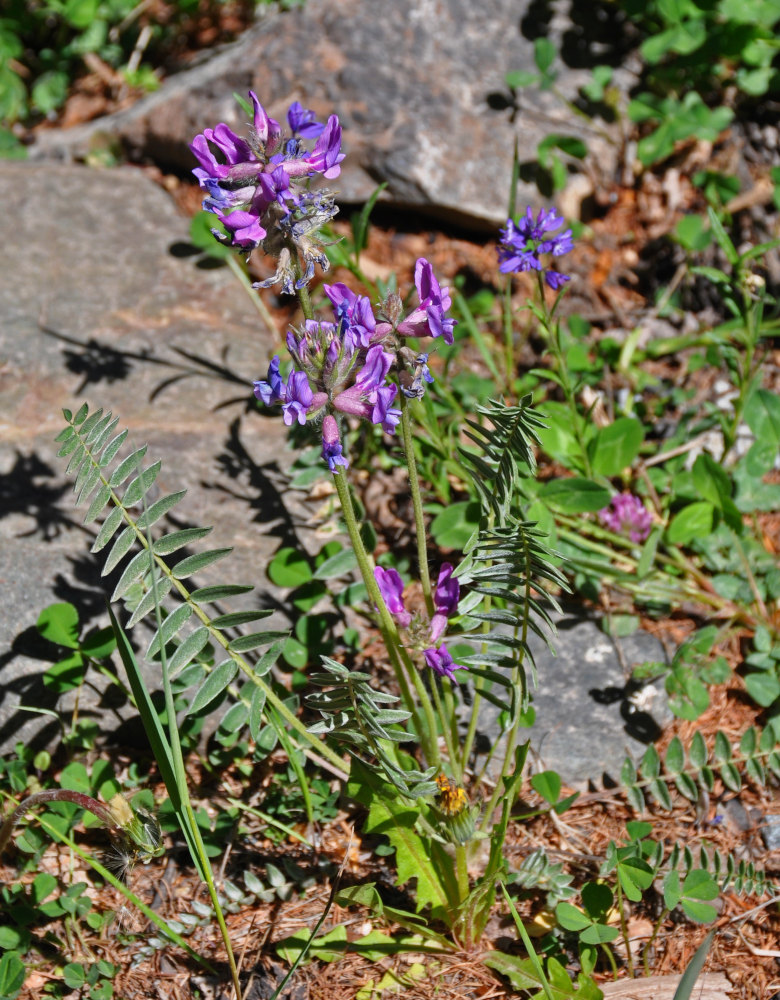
(289, 568)
(571, 917)
(599, 934)
(60, 623)
(763, 688)
(693, 521)
(80, 13)
(616, 446)
(340, 564)
(548, 785)
(762, 415)
(635, 876)
(12, 973)
(454, 526)
(414, 854)
(575, 495)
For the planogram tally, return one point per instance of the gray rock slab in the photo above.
(588, 718)
(419, 86)
(100, 305)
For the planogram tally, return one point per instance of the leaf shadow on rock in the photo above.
(98, 362)
(86, 590)
(24, 490)
(265, 486)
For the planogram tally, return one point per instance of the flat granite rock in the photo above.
(588, 717)
(419, 87)
(101, 304)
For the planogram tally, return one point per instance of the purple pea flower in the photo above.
(298, 398)
(445, 601)
(441, 662)
(302, 122)
(429, 319)
(353, 313)
(391, 588)
(274, 390)
(331, 444)
(627, 515)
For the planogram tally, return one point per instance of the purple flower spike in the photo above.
(303, 122)
(440, 661)
(299, 397)
(331, 444)
(274, 390)
(445, 601)
(523, 242)
(627, 515)
(391, 587)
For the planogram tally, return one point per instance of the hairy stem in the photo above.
(414, 488)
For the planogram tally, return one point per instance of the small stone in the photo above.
(770, 832)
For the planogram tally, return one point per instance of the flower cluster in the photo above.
(258, 188)
(427, 633)
(343, 366)
(627, 515)
(523, 242)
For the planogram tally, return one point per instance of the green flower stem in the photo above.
(399, 658)
(611, 959)
(509, 336)
(452, 748)
(653, 936)
(553, 331)
(182, 787)
(414, 488)
(512, 735)
(624, 929)
(305, 302)
(461, 869)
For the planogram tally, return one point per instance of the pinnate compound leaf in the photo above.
(219, 592)
(150, 599)
(98, 504)
(170, 626)
(167, 544)
(237, 618)
(108, 529)
(159, 509)
(126, 467)
(246, 642)
(119, 549)
(138, 487)
(194, 564)
(134, 570)
(214, 685)
(110, 451)
(188, 650)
